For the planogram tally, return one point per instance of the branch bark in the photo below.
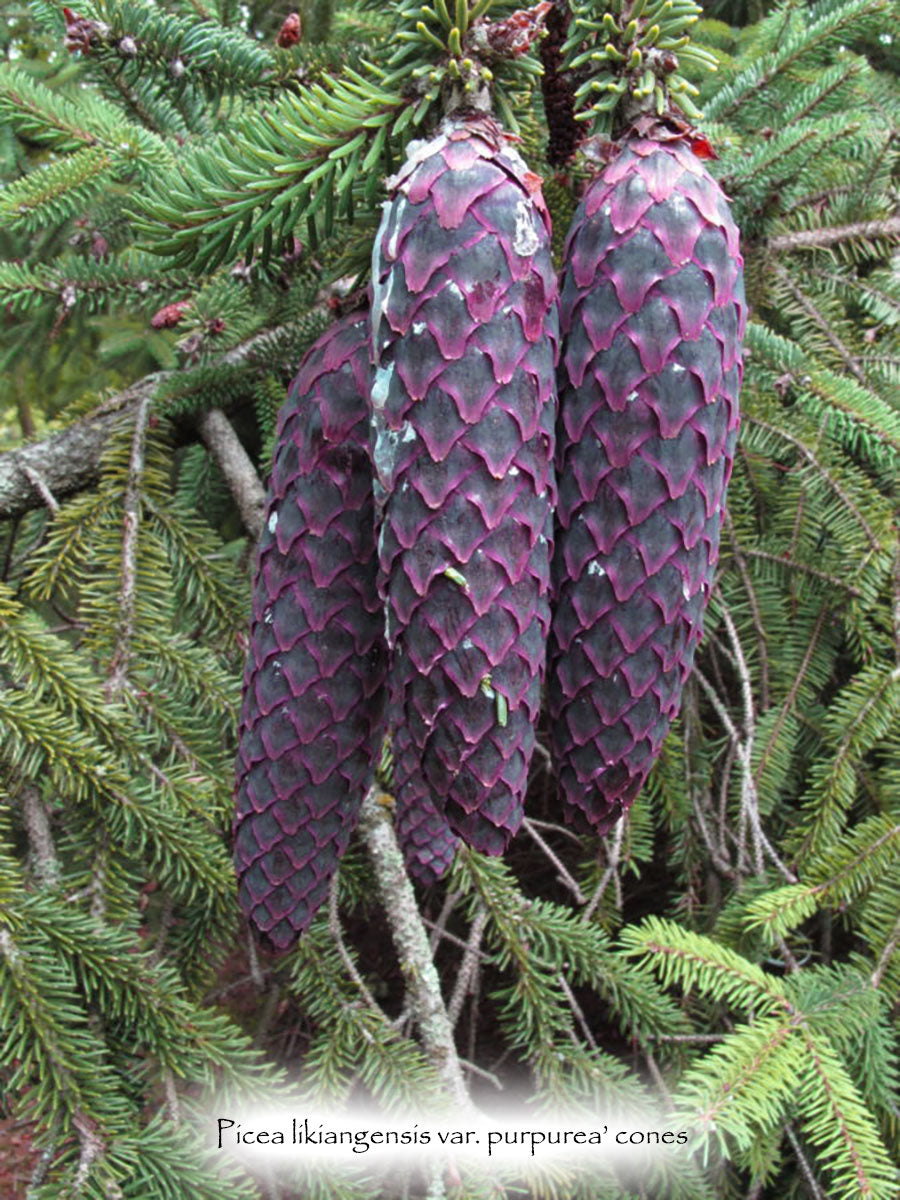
(69, 461)
(118, 667)
(234, 462)
(426, 1003)
(40, 837)
(809, 239)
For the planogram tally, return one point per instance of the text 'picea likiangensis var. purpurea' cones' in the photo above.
(652, 314)
(464, 327)
(313, 685)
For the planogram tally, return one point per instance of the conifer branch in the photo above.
(40, 837)
(827, 475)
(238, 471)
(614, 853)
(791, 698)
(793, 565)
(753, 601)
(468, 967)
(69, 461)
(563, 874)
(398, 901)
(811, 1181)
(118, 667)
(814, 239)
(818, 319)
(334, 928)
(41, 488)
(886, 955)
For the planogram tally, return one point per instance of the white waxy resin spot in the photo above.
(381, 385)
(594, 568)
(631, 397)
(606, 210)
(677, 369)
(525, 238)
(267, 617)
(276, 663)
(273, 521)
(381, 299)
(399, 211)
(384, 456)
(685, 592)
(454, 290)
(409, 434)
(419, 327)
(513, 471)
(468, 644)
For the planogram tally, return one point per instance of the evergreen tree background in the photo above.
(175, 225)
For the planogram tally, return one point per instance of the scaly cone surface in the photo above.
(464, 326)
(313, 685)
(428, 843)
(653, 314)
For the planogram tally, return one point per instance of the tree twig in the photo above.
(40, 837)
(37, 482)
(334, 928)
(753, 600)
(468, 966)
(233, 461)
(886, 954)
(689, 1039)
(820, 322)
(614, 853)
(812, 1182)
(562, 872)
(439, 934)
(577, 1011)
(411, 942)
(118, 667)
(809, 239)
(793, 565)
(439, 927)
(69, 460)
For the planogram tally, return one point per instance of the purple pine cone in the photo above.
(313, 685)
(464, 326)
(427, 841)
(653, 314)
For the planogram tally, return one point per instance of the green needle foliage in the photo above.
(188, 194)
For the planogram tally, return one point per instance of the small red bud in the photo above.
(289, 33)
(170, 315)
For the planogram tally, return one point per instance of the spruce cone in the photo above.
(427, 841)
(653, 314)
(464, 340)
(313, 685)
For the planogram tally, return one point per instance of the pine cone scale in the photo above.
(313, 688)
(463, 431)
(652, 314)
